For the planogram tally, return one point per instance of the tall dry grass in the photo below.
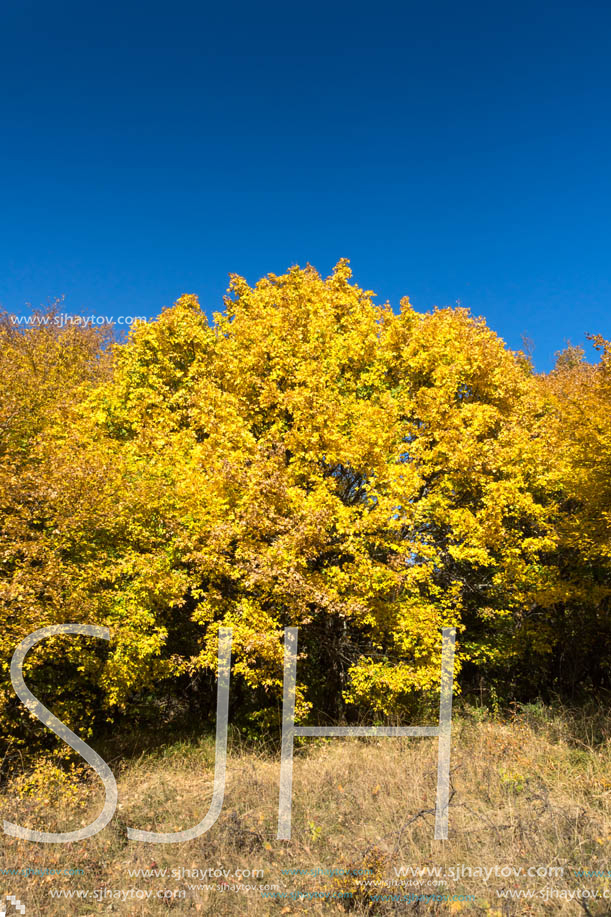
(531, 790)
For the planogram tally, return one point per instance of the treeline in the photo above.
(311, 459)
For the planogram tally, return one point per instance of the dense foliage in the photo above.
(309, 458)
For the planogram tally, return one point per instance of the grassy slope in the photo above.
(531, 791)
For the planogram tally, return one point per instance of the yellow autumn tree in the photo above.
(366, 476)
(306, 458)
(576, 623)
(44, 373)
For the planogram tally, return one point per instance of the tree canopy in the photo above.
(307, 458)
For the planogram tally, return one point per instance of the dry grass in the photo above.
(532, 791)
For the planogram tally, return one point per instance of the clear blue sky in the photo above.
(452, 151)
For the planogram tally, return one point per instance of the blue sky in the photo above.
(451, 151)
